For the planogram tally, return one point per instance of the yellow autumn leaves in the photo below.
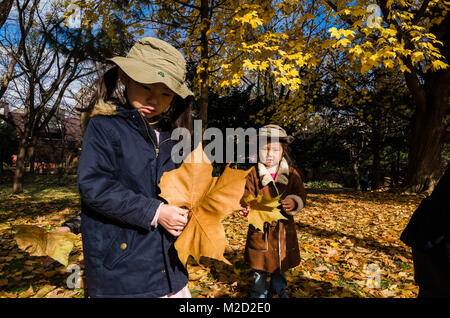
(339, 235)
(381, 45)
(37, 241)
(248, 40)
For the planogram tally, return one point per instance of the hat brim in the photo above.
(146, 74)
(286, 140)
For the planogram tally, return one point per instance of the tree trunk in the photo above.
(355, 167)
(376, 163)
(204, 74)
(395, 170)
(68, 161)
(1, 164)
(31, 162)
(61, 166)
(428, 131)
(426, 142)
(396, 176)
(20, 166)
(5, 8)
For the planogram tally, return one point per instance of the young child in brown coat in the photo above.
(274, 251)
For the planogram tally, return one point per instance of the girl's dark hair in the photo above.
(107, 89)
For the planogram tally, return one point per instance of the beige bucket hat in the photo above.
(153, 60)
(275, 131)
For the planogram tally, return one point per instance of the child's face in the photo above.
(270, 154)
(149, 99)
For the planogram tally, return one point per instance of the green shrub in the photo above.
(322, 184)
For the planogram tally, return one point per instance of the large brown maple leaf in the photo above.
(209, 200)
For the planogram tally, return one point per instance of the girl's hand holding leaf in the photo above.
(245, 211)
(288, 204)
(173, 219)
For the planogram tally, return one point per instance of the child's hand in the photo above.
(245, 211)
(61, 229)
(288, 205)
(173, 219)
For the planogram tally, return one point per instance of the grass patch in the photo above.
(322, 184)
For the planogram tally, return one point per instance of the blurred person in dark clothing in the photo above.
(428, 234)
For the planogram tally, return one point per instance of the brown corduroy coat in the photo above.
(276, 249)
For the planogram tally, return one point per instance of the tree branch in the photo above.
(57, 102)
(419, 14)
(192, 6)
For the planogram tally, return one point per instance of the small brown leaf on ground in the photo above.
(44, 291)
(50, 274)
(3, 282)
(403, 259)
(321, 268)
(26, 294)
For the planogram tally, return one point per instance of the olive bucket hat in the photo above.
(153, 60)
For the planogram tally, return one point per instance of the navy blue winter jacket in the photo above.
(118, 177)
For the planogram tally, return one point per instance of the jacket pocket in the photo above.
(120, 247)
(257, 240)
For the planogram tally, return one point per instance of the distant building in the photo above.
(58, 144)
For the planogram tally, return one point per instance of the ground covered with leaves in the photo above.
(349, 244)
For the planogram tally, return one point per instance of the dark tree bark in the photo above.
(5, 8)
(427, 137)
(204, 74)
(20, 166)
(376, 148)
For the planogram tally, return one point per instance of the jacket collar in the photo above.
(282, 174)
(115, 108)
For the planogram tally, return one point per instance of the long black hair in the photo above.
(108, 90)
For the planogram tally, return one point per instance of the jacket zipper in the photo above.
(279, 231)
(151, 139)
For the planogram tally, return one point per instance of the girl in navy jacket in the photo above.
(127, 231)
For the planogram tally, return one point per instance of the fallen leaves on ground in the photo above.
(345, 241)
(349, 245)
(26, 276)
(37, 241)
